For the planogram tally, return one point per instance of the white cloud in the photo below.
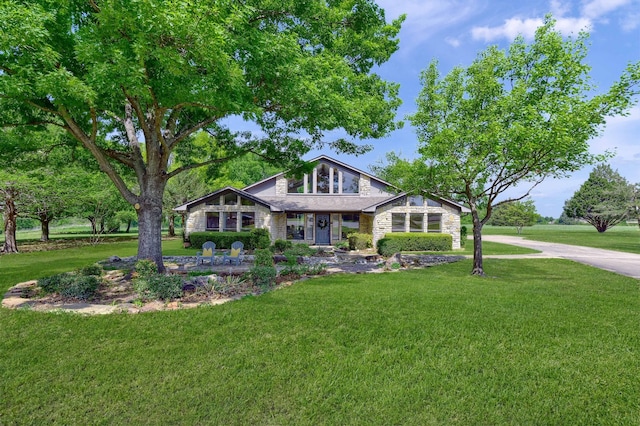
(453, 41)
(527, 28)
(597, 8)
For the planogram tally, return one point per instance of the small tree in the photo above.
(516, 213)
(604, 200)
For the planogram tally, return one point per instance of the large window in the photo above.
(350, 224)
(311, 224)
(400, 202)
(323, 182)
(295, 226)
(434, 222)
(350, 183)
(248, 221)
(230, 222)
(397, 222)
(231, 199)
(416, 200)
(433, 203)
(415, 222)
(213, 221)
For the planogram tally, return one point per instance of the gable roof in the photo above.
(319, 159)
(188, 205)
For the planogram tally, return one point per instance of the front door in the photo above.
(323, 229)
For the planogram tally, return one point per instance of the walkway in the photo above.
(615, 261)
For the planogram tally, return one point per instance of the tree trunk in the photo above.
(150, 222)
(128, 226)
(44, 226)
(478, 268)
(172, 225)
(94, 228)
(10, 216)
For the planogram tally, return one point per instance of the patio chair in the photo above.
(236, 255)
(208, 253)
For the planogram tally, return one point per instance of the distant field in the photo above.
(621, 238)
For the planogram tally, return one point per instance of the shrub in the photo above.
(280, 246)
(463, 235)
(263, 257)
(91, 270)
(299, 250)
(79, 287)
(360, 241)
(342, 245)
(263, 276)
(223, 240)
(165, 287)
(405, 241)
(53, 283)
(146, 268)
(260, 239)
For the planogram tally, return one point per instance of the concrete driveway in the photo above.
(615, 261)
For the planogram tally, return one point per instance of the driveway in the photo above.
(615, 261)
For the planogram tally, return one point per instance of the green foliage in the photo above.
(604, 200)
(463, 236)
(279, 246)
(263, 257)
(92, 270)
(342, 245)
(263, 276)
(70, 285)
(413, 241)
(298, 250)
(260, 238)
(146, 268)
(79, 287)
(359, 241)
(515, 213)
(223, 240)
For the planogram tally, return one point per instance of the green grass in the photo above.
(537, 342)
(488, 248)
(619, 238)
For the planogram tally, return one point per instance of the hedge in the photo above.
(360, 241)
(257, 238)
(411, 241)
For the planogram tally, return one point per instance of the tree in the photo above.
(134, 81)
(515, 213)
(512, 117)
(604, 200)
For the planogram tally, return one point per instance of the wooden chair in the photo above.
(208, 253)
(236, 254)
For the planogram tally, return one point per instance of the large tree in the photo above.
(604, 200)
(135, 80)
(512, 117)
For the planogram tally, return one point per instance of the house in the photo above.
(322, 207)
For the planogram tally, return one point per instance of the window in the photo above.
(310, 226)
(350, 224)
(350, 183)
(295, 226)
(323, 179)
(432, 203)
(231, 199)
(397, 222)
(433, 221)
(336, 181)
(416, 200)
(295, 186)
(246, 202)
(401, 202)
(215, 201)
(213, 221)
(335, 227)
(230, 222)
(248, 221)
(415, 222)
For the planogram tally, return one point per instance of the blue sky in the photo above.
(454, 31)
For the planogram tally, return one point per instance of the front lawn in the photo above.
(538, 341)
